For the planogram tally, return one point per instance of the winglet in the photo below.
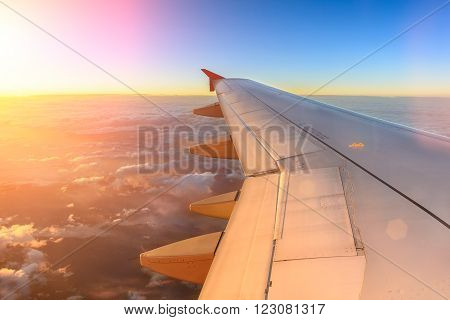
(212, 76)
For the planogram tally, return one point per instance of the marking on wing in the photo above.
(356, 145)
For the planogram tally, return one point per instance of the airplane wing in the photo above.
(335, 204)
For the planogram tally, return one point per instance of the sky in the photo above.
(158, 47)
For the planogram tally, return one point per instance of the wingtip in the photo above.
(211, 75)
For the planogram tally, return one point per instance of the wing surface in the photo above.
(336, 205)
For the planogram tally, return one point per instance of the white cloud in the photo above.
(158, 280)
(22, 235)
(11, 279)
(129, 169)
(198, 183)
(7, 219)
(6, 274)
(133, 183)
(84, 166)
(135, 295)
(76, 230)
(87, 157)
(88, 180)
(64, 271)
(46, 159)
(34, 261)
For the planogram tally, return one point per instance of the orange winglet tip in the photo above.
(212, 77)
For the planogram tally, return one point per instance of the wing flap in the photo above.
(307, 279)
(242, 263)
(316, 221)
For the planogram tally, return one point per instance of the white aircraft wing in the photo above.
(335, 204)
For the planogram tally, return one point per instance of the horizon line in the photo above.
(207, 95)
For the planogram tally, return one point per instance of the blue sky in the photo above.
(301, 44)
(296, 45)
